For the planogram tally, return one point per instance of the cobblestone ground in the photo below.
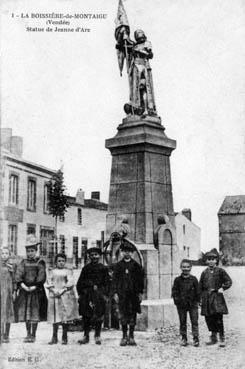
(158, 349)
(155, 350)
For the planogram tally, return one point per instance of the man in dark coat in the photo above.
(128, 284)
(92, 288)
(186, 298)
(31, 302)
(213, 304)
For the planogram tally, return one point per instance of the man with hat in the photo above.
(213, 304)
(128, 284)
(93, 289)
(31, 303)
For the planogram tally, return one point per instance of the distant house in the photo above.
(188, 235)
(232, 228)
(25, 208)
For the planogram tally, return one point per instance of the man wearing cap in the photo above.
(213, 304)
(128, 284)
(31, 303)
(93, 289)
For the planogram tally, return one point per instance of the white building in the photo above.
(188, 235)
(25, 208)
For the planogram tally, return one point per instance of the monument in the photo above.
(140, 183)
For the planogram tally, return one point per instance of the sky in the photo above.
(62, 92)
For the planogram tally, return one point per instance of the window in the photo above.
(13, 189)
(84, 249)
(62, 244)
(62, 218)
(31, 194)
(75, 251)
(184, 228)
(188, 252)
(12, 238)
(46, 199)
(79, 216)
(98, 243)
(31, 229)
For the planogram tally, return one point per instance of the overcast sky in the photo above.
(63, 93)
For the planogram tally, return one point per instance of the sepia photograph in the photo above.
(122, 184)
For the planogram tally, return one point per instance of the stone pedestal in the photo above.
(141, 191)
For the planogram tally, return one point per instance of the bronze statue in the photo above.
(137, 54)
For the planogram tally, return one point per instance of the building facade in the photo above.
(231, 217)
(25, 208)
(188, 235)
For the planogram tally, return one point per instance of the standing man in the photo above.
(93, 289)
(128, 284)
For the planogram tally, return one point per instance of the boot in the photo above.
(183, 341)
(97, 333)
(131, 340)
(195, 341)
(84, 340)
(27, 339)
(222, 340)
(33, 332)
(5, 338)
(124, 340)
(64, 334)
(213, 339)
(54, 339)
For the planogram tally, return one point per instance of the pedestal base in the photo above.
(156, 314)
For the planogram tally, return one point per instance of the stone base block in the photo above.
(156, 314)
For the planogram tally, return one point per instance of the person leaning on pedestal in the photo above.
(31, 302)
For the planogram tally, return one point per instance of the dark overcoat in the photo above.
(212, 301)
(31, 306)
(92, 302)
(128, 283)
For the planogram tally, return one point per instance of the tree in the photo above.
(58, 202)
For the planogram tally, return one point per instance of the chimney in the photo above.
(80, 196)
(187, 213)
(16, 145)
(95, 195)
(6, 134)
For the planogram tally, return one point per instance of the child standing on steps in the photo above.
(62, 304)
(186, 298)
(7, 293)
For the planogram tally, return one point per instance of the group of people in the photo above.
(23, 295)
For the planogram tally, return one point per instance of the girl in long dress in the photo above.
(7, 293)
(62, 303)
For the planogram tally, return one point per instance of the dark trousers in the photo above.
(215, 323)
(193, 312)
(87, 323)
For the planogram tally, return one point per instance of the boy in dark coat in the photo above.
(186, 298)
(128, 284)
(92, 288)
(213, 304)
(31, 302)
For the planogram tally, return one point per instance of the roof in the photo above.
(233, 205)
(88, 203)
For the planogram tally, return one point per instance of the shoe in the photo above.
(32, 339)
(213, 340)
(27, 339)
(84, 340)
(97, 340)
(53, 341)
(64, 341)
(123, 342)
(131, 341)
(5, 340)
(183, 342)
(195, 342)
(222, 341)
